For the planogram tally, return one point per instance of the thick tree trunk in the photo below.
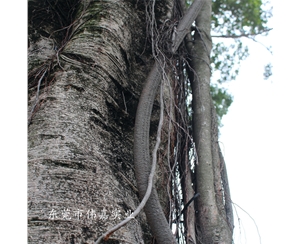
(80, 136)
(88, 61)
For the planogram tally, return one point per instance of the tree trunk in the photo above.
(211, 217)
(87, 64)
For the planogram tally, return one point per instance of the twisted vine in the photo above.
(155, 215)
(153, 209)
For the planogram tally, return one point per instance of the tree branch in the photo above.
(249, 35)
(185, 23)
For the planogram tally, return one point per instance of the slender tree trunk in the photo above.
(211, 219)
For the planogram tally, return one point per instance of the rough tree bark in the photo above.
(80, 135)
(87, 64)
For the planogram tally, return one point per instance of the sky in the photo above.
(259, 137)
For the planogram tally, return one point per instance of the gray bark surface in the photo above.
(153, 209)
(211, 217)
(80, 135)
(154, 212)
(87, 64)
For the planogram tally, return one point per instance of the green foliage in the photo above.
(268, 71)
(222, 101)
(231, 17)
(232, 20)
(225, 59)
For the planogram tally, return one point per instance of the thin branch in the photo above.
(243, 34)
(250, 36)
(185, 23)
(186, 206)
(250, 218)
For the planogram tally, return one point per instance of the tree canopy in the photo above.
(231, 22)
